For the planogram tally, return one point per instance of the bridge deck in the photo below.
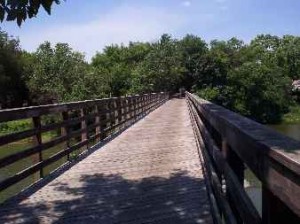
(149, 174)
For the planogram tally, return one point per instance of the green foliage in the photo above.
(116, 65)
(253, 79)
(288, 56)
(193, 52)
(258, 91)
(20, 10)
(162, 68)
(13, 90)
(209, 93)
(15, 126)
(56, 74)
(293, 116)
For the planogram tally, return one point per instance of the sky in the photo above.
(90, 25)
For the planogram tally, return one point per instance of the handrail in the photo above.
(228, 142)
(89, 121)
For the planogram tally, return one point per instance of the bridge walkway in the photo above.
(151, 173)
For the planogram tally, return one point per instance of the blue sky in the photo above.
(90, 25)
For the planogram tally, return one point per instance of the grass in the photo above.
(293, 116)
(15, 126)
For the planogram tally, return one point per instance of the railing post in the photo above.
(234, 161)
(84, 135)
(237, 167)
(97, 121)
(38, 140)
(113, 112)
(274, 211)
(65, 131)
(103, 119)
(126, 109)
(129, 110)
(139, 106)
(119, 109)
(110, 117)
(143, 104)
(147, 104)
(134, 107)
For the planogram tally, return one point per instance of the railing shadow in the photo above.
(66, 166)
(114, 199)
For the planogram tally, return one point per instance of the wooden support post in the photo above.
(38, 140)
(132, 102)
(234, 161)
(274, 211)
(134, 107)
(98, 127)
(84, 135)
(103, 120)
(138, 105)
(124, 108)
(148, 103)
(143, 104)
(65, 131)
(108, 118)
(237, 167)
(128, 110)
(112, 113)
(119, 109)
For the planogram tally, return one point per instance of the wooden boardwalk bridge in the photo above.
(153, 160)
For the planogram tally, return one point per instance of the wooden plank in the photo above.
(39, 166)
(274, 158)
(37, 139)
(66, 132)
(212, 177)
(98, 121)
(147, 180)
(9, 138)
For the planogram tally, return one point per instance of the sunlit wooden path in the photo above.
(151, 173)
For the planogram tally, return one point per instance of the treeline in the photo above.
(253, 79)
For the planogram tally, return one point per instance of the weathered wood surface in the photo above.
(97, 119)
(151, 173)
(233, 141)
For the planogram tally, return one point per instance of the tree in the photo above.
(288, 56)
(193, 50)
(117, 63)
(247, 78)
(57, 74)
(162, 68)
(20, 10)
(259, 91)
(13, 91)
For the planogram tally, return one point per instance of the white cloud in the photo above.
(186, 3)
(121, 25)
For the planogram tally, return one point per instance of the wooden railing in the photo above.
(229, 143)
(88, 121)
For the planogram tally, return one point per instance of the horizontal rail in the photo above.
(232, 141)
(91, 120)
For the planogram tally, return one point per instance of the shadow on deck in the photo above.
(111, 198)
(151, 173)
